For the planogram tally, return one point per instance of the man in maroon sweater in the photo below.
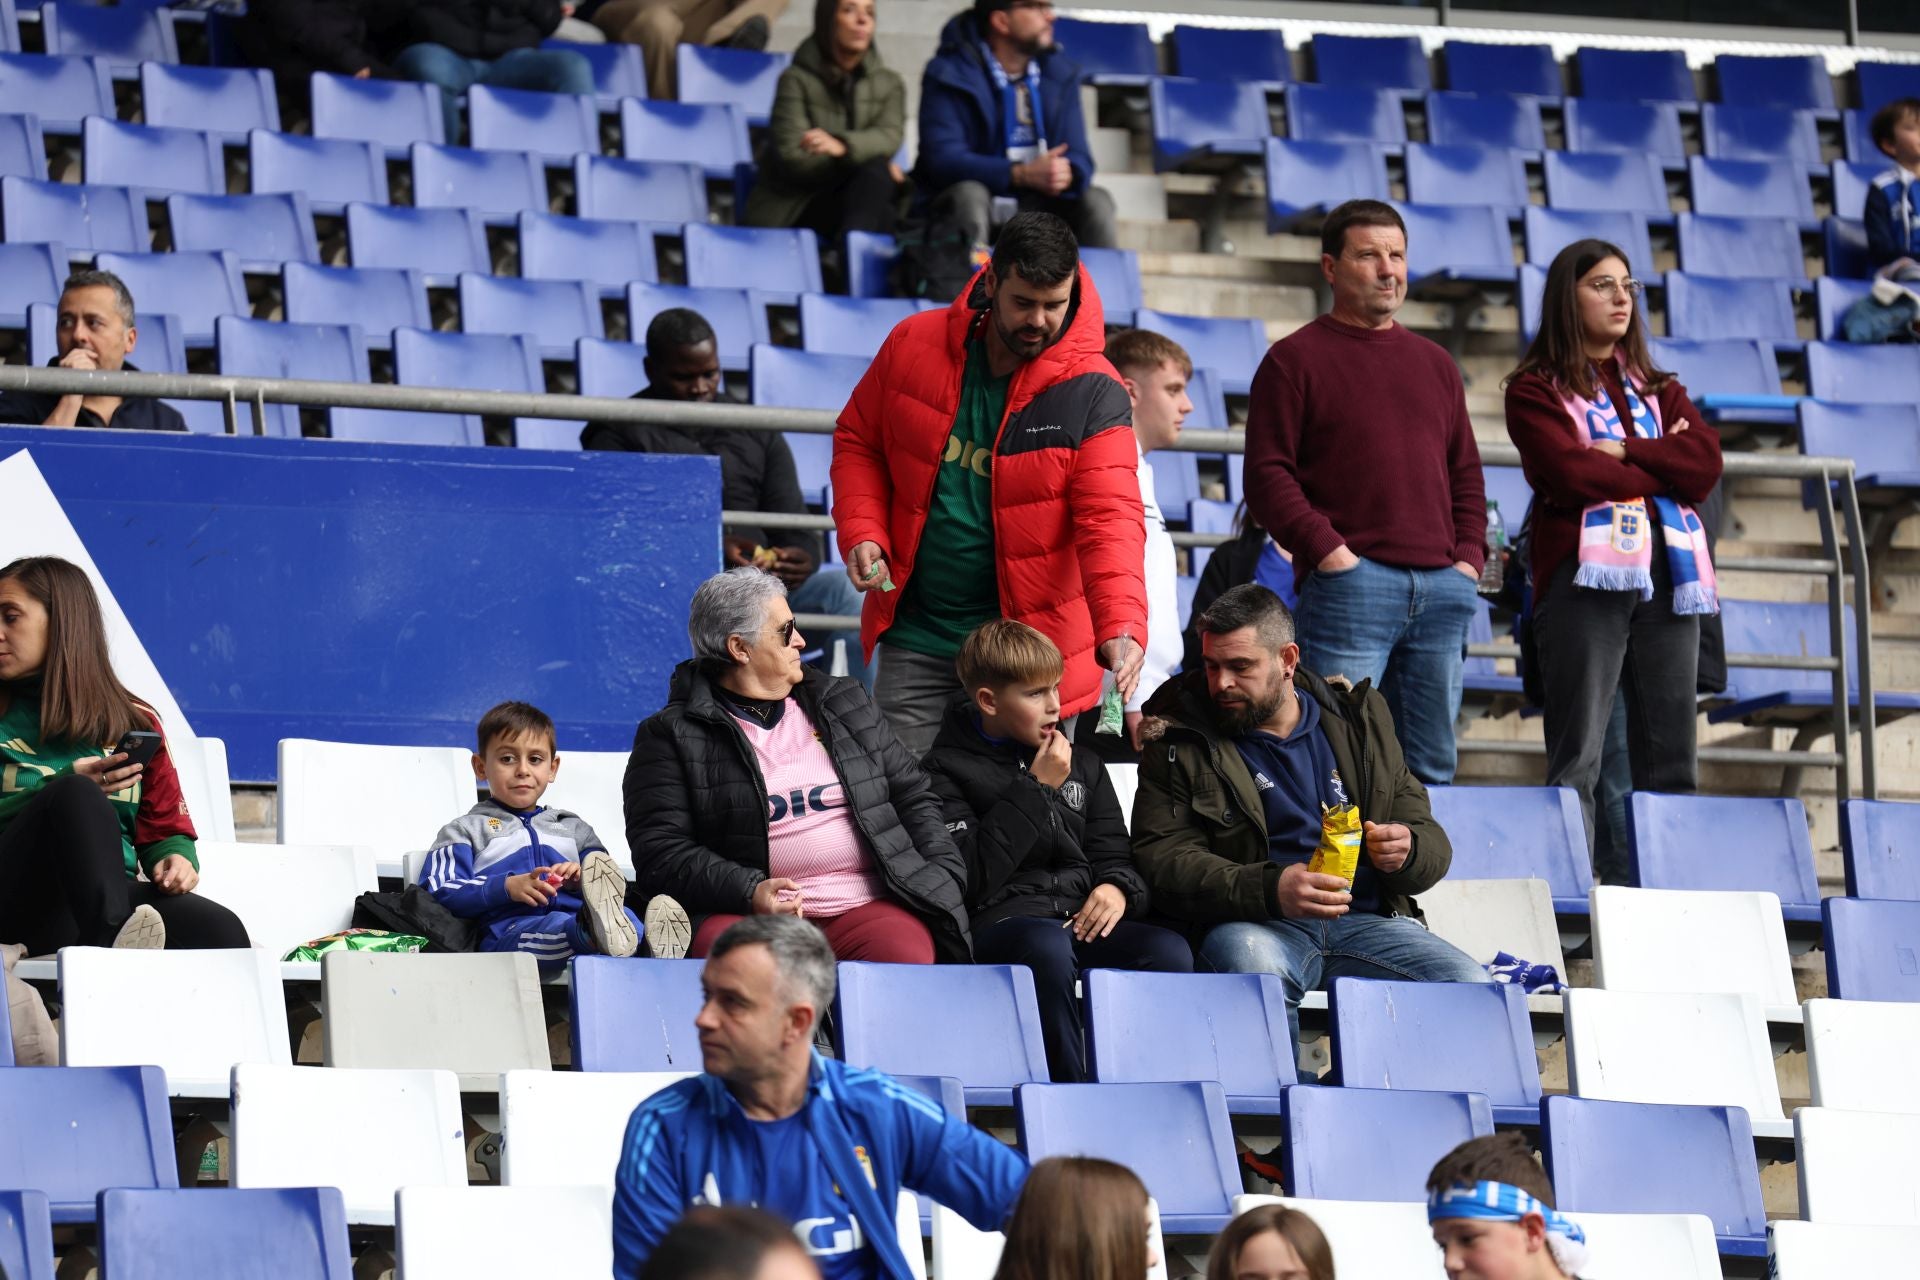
(1361, 463)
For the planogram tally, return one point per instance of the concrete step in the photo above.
(1138, 198)
(1191, 295)
(1112, 151)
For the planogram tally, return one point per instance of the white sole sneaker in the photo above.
(143, 931)
(604, 891)
(669, 930)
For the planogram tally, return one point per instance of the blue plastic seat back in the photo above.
(151, 158)
(1336, 113)
(199, 287)
(225, 100)
(60, 91)
(475, 361)
(1850, 185)
(790, 379)
(613, 369)
(1465, 175)
(555, 313)
(1844, 246)
(1719, 366)
(492, 183)
(1175, 1135)
(1845, 371)
(1509, 833)
(1635, 75)
(639, 190)
(298, 1233)
(1464, 1037)
(980, 1023)
(394, 113)
(945, 1090)
(1232, 346)
(74, 1131)
(619, 69)
(1176, 482)
(1313, 175)
(432, 241)
(1371, 62)
(267, 228)
(1529, 294)
(1473, 67)
(1759, 133)
(1190, 114)
(86, 217)
(23, 149)
(1116, 277)
(1870, 948)
(1729, 246)
(1787, 629)
(1882, 439)
(1750, 189)
(1322, 1159)
(378, 299)
(1210, 413)
(1610, 181)
(551, 124)
(1790, 80)
(332, 172)
(635, 1017)
(1256, 56)
(1642, 1157)
(1120, 51)
(1856, 138)
(870, 257)
(1229, 1027)
(1669, 833)
(1718, 307)
(1508, 487)
(1548, 231)
(9, 28)
(1636, 128)
(1471, 238)
(738, 318)
(745, 78)
(832, 325)
(776, 259)
(284, 349)
(1882, 82)
(125, 35)
(710, 135)
(1485, 120)
(1880, 842)
(26, 1226)
(607, 254)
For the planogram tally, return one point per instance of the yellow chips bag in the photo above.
(1339, 851)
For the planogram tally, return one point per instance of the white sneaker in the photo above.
(604, 890)
(143, 931)
(669, 930)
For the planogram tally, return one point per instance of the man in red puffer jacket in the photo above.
(985, 468)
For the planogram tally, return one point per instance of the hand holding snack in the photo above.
(1389, 845)
(867, 567)
(1310, 895)
(1339, 851)
(1054, 761)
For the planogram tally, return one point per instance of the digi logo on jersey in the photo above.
(828, 1238)
(797, 803)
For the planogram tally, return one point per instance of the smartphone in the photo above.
(139, 746)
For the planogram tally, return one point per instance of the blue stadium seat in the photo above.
(1481, 676)
(1668, 832)
(475, 361)
(1643, 1157)
(1176, 1136)
(498, 185)
(1116, 277)
(1548, 231)
(1322, 1161)
(75, 1131)
(1635, 75)
(779, 260)
(1879, 842)
(1718, 307)
(556, 126)
(1202, 124)
(152, 160)
(9, 28)
(1734, 374)
(1759, 133)
(262, 231)
(613, 369)
(275, 349)
(738, 316)
(298, 1233)
(61, 91)
(1456, 243)
(378, 299)
(438, 243)
(870, 258)
(978, 1023)
(1850, 185)
(125, 35)
(1791, 80)
(1530, 292)
(1870, 948)
(112, 219)
(1445, 1037)
(635, 1017)
(604, 253)
(1473, 67)
(710, 135)
(718, 75)
(26, 1226)
(1229, 1027)
(1372, 62)
(1206, 515)
(394, 113)
(664, 191)
(1882, 439)
(1442, 175)
(227, 101)
(1856, 137)
(619, 70)
(1513, 833)
(161, 349)
(23, 150)
(1210, 413)
(790, 379)
(1863, 375)
(1508, 487)
(1240, 55)
(1637, 128)
(332, 172)
(1881, 82)
(554, 313)
(1750, 189)
(832, 325)
(198, 287)
(1120, 53)
(1722, 245)
(1176, 482)
(1619, 182)
(1305, 179)
(1485, 120)
(1335, 113)
(1232, 346)
(1844, 247)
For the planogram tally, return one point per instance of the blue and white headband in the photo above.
(1499, 1202)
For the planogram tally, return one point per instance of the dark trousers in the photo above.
(64, 882)
(1040, 943)
(864, 199)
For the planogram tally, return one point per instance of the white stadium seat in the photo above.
(1690, 940)
(391, 799)
(1126, 780)
(287, 895)
(1830, 1251)
(565, 1128)
(205, 785)
(1858, 1167)
(1650, 1246)
(475, 1014)
(1368, 1237)
(1861, 1053)
(1482, 917)
(462, 1233)
(1708, 1049)
(961, 1251)
(589, 785)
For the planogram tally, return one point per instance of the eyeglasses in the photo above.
(1607, 286)
(786, 632)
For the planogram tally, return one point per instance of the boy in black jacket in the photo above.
(1050, 877)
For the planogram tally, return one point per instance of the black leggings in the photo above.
(64, 882)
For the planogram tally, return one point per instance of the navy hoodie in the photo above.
(1296, 777)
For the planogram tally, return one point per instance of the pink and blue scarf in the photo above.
(1616, 539)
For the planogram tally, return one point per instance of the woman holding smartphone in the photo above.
(80, 818)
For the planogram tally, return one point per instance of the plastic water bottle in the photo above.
(1493, 576)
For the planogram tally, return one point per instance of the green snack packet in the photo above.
(1113, 710)
(880, 568)
(357, 940)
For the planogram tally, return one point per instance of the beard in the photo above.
(1025, 343)
(1242, 716)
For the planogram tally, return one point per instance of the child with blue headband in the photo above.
(1491, 1209)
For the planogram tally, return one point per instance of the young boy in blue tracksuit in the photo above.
(1892, 218)
(538, 880)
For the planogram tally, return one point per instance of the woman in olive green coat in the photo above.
(838, 117)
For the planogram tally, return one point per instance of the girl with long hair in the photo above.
(1271, 1242)
(1078, 1218)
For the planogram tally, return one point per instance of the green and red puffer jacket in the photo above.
(1069, 533)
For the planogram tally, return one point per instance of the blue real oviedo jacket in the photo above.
(690, 1144)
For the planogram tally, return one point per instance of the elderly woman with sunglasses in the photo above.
(766, 788)
(1615, 452)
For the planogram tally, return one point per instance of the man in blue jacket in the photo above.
(1000, 116)
(770, 1122)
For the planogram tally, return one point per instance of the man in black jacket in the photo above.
(461, 43)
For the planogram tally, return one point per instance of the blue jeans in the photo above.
(550, 70)
(829, 590)
(1404, 629)
(1307, 955)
